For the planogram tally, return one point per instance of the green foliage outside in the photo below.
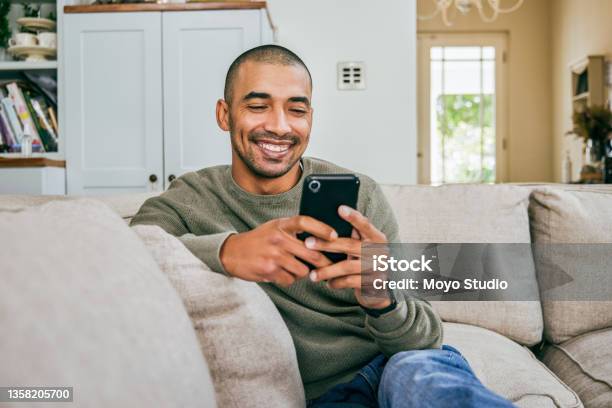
(468, 145)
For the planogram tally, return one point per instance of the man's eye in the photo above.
(257, 107)
(298, 111)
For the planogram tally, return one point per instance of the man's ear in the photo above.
(223, 115)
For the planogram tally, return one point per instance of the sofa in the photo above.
(129, 317)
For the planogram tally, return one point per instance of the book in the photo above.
(23, 112)
(40, 107)
(53, 119)
(48, 141)
(5, 129)
(15, 125)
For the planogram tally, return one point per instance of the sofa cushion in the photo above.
(249, 349)
(581, 216)
(509, 369)
(83, 304)
(473, 214)
(585, 364)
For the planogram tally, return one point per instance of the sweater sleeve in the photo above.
(413, 324)
(207, 248)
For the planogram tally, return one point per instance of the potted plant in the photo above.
(5, 30)
(594, 126)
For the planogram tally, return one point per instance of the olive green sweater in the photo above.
(333, 336)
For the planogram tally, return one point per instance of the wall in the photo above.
(371, 131)
(530, 152)
(579, 28)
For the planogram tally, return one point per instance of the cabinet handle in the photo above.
(171, 177)
(153, 178)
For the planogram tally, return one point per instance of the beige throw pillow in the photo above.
(246, 343)
(84, 305)
(580, 216)
(473, 214)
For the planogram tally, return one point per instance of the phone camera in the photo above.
(314, 186)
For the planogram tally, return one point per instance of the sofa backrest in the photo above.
(479, 214)
(125, 205)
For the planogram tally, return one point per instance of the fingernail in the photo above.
(310, 242)
(333, 235)
(313, 276)
(344, 210)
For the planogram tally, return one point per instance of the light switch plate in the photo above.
(351, 76)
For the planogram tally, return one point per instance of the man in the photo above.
(242, 221)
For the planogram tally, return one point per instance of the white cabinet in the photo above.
(113, 102)
(33, 180)
(198, 48)
(141, 90)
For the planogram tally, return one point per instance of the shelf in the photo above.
(43, 155)
(30, 1)
(135, 7)
(31, 162)
(21, 65)
(578, 97)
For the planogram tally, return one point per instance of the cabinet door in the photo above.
(198, 49)
(114, 139)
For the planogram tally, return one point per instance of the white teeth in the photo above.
(273, 147)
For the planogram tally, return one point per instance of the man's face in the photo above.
(270, 117)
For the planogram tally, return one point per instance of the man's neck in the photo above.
(254, 184)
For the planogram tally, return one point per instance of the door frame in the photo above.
(426, 40)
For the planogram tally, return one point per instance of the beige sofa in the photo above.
(89, 330)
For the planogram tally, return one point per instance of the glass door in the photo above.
(461, 108)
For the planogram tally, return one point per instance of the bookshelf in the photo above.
(13, 68)
(25, 65)
(590, 82)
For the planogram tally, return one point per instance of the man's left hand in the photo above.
(348, 273)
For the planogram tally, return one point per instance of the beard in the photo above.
(249, 155)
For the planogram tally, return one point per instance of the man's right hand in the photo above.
(268, 253)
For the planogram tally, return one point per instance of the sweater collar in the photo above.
(294, 193)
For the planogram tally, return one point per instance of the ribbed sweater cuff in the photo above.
(389, 322)
(207, 248)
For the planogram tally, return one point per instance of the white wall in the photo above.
(371, 131)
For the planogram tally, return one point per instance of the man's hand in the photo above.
(348, 273)
(268, 253)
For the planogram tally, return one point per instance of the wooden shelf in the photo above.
(31, 162)
(135, 7)
(26, 65)
(578, 97)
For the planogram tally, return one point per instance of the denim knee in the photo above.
(412, 359)
(431, 361)
(433, 378)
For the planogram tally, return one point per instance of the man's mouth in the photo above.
(274, 149)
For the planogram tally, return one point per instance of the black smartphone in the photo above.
(322, 194)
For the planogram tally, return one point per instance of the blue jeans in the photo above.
(419, 378)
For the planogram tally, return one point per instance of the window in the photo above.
(461, 129)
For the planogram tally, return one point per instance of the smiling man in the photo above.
(242, 221)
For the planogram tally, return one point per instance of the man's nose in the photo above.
(277, 123)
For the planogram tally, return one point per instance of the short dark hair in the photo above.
(271, 54)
